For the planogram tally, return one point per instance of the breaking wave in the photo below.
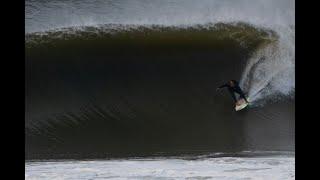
(112, 84)
(143, 81)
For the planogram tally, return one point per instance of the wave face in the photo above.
(138, 85)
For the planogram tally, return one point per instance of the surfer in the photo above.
(233, 87)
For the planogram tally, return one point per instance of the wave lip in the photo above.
(241, 32)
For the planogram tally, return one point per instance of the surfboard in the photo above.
(241, 104)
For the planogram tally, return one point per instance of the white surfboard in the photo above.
(241, 104)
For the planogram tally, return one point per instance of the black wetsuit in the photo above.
(233, 90)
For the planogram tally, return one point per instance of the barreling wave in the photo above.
(131, 89)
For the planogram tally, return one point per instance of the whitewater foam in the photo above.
(273, 167)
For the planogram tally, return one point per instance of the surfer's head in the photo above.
(231, 83)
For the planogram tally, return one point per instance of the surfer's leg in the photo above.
(233, 95)
(244, 97)
(241, 94)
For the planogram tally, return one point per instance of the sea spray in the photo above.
(270, 70)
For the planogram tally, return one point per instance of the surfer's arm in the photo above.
(222, 86)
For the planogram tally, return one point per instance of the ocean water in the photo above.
(112, 82)
(276, 167)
